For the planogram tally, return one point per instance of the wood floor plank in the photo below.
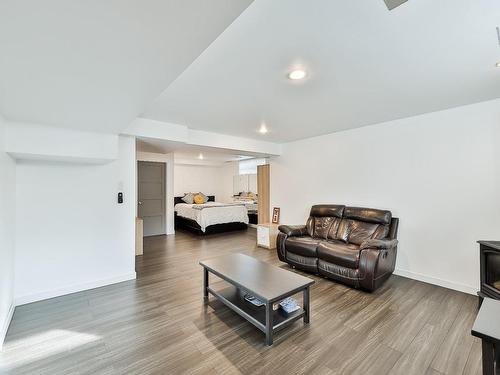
(159, 324)
(474, 365)
(452, 354)
(431, 371)
(376, 360)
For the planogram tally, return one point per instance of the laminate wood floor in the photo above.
(158, 324)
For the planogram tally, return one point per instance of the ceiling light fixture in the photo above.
(200, 156)
(297, 74)
(497, 64)
(263, 129)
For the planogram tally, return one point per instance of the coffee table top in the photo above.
(486, 325)
(264, 280)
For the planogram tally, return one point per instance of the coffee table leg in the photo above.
(488, 358)
(269, 324)
(307, 309)
(205, 283)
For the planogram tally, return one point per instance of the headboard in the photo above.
(211, 198)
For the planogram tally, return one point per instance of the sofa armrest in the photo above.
(379, 244)
(293, 230)
(377, 260)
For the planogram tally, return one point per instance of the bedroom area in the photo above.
(199, 191)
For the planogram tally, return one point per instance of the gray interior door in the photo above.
(151, 203)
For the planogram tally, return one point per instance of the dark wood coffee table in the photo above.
(268, 283)
(487, 328)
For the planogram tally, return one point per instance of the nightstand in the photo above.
(266, 235)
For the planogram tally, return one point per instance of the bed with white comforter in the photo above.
(212, 213)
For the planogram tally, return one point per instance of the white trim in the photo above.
(5, 328)
(18, 301)
(437, 281)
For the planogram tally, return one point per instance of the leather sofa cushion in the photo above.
(324, 219)
(345, 275)
(325, 227)
(356, 231)
(346, 255)
(369, 215)
(321, 226)
(381, 232)
(304, 263)
(333, 231)
(305, 246)
(327, 210)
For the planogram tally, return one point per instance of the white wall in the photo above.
(40, 142)
(439, 173)
(71, 234)
(7, 230)
(226, 173)
(210, 180)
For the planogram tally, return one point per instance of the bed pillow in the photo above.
(198, 199)
(188, 198)
(205, 198)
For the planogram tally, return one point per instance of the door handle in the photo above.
(140, 203)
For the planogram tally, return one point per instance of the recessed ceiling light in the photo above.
(263, 129)
(297, 74)
(497, 64)
(200, 156)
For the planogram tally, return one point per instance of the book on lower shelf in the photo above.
(289, 305)
(254, 300)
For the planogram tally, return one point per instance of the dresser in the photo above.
(266, 235)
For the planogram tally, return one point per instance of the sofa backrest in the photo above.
(359, 224)
(348, 224)
(323, 219)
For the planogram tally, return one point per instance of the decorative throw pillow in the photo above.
(198, 199)
(205, 198)
(188, 198)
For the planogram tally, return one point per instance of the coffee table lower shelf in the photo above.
(233, 298)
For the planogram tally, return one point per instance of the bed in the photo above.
(211, 217)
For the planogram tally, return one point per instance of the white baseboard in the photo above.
(22, 300)
(6, 325)
(437, 281)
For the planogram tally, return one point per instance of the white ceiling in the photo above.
(183, 151)
(365, 65)
(96, 64)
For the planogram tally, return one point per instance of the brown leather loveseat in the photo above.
(353, 245)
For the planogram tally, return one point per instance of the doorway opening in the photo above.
(151, 202)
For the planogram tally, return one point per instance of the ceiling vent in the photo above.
(391, 4)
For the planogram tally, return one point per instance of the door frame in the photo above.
(163, 195)
(168, 160)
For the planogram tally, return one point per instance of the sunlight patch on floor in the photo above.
(36, 347)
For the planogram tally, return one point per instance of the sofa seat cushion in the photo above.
(302, 263)
(349, 276)
(337, 252)
(305, 246)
